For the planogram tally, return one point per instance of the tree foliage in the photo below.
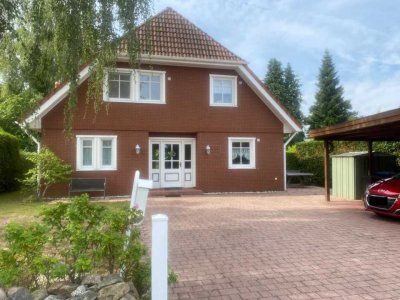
(330, 107)
(10, 161)
(48, 169)
(274, 79)
(285, 85)
(51, 40)
(8, 11)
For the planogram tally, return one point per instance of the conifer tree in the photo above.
(330, 107)
(292, 97)
(274, 80)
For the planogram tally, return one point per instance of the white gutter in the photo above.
(284, 158)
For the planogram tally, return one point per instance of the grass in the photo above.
(20, 207)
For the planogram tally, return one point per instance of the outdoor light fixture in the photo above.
(208, 150)
(137, 149)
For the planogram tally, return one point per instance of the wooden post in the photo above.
(326, 170)
(370, 162)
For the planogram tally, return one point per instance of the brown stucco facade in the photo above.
(186, 113)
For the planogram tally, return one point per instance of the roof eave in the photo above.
(34, 121)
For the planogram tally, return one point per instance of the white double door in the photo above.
(172, 162)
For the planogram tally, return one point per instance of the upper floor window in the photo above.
(223, 90)
(119, 86)
(142, 86)
(150, 87)
(96, 152)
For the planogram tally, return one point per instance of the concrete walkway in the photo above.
(285, 245)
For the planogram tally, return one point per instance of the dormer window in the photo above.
(223, 90)
(140, 86)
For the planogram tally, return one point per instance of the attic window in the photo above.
(119, 86)
(223, 90)
(141, 86)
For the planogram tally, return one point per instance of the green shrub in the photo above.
(9, 162)
(47, 170)
(73, 239)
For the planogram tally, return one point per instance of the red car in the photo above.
(383, 197)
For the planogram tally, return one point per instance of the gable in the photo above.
(174, 41)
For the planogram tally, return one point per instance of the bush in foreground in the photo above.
(72, 240)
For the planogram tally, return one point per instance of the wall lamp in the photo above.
(208, 150)
(137, 149)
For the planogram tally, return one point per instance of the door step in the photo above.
(175, 192)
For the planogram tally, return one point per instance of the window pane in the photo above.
(155, 165)
(106, 154)
(87, 156)
(113, 76)
(125, 77)
(217, 98)
(87, 143)
(227, 98)
(106, 158)
(155, 152)
(236, 144)
(113, 91)
(176, 164)
(125, 89)
(245, 144)
(155, 91)
(188, 152)
(168, 165)
(144, 77)
(107, 143)
(155, 78)
(144, 90)
(188, 165)
(175, 149)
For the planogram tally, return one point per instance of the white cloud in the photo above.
(363, 39)
(370, 97)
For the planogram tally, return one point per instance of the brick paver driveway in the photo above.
(279, 246)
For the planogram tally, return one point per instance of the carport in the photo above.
(384, 126)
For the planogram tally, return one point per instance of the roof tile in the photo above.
(170, 34)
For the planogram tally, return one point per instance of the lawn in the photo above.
(20, 207)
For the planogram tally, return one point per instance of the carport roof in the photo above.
(384, 126)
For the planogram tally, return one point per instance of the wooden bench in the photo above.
(291, 174)
(78, 185)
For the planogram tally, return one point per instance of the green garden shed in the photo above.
(350, 172)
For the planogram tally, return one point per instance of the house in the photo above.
(193, 116)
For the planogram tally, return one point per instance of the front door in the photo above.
(172, 162)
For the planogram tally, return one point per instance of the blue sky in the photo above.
(363, 37)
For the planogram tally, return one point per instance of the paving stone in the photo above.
(283, 245)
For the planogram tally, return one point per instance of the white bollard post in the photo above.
(159, 257)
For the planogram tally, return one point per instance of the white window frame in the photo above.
(162, 87)
(96, 153)
(252, 142)
(106, 96)
(134, 86)
(234, 89)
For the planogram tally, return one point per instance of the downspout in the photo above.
(38, 146)
(35, 140)
(284, 158)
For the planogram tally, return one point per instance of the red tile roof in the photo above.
(170, 34)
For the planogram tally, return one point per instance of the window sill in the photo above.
(95, 170)
(242, 168)
(223, 105)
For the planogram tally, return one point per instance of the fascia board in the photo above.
(289, 124)
(34, 120)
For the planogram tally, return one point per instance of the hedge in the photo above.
(10, 162)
